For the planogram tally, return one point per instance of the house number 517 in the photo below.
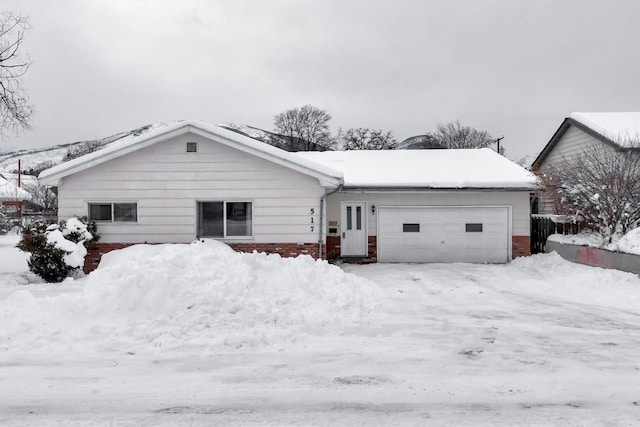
(312, 212)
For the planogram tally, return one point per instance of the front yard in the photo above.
(537, 341)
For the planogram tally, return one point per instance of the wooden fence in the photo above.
(542, 226)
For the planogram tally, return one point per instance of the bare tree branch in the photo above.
(602, 185)
(306, 129)
(455, 135)
(367, 139)
(15, 109)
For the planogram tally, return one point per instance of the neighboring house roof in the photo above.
(326, 175)
(9, 191)
(426, 169)
(619, 130)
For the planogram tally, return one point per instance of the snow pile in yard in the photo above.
(203, 294)
(630, 242)
(582, 239)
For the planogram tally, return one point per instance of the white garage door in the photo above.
(443, 234)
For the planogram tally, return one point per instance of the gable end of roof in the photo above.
(566, 124)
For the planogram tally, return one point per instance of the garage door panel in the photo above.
(444, 234)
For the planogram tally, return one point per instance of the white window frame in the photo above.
(224, 219)
(113, 216)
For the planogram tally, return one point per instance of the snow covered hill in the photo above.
(36, 160)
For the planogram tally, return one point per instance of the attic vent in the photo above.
(192, 147)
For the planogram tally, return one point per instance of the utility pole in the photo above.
(498, 143)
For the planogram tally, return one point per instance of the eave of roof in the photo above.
(378, 189)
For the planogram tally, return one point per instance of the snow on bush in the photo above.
(204, 295)
(630, 242)
(57, 250)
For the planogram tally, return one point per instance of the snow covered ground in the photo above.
(629, 243)
(211, 337)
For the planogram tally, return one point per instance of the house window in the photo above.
(192, 147)
(113, 212)
(410, 228)
(225, 219)
(473, 228)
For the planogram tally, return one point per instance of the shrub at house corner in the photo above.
(58, 250)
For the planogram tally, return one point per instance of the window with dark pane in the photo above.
(358, 217)
(125, 212)
(100, 212)
(211, 219)
(192, 147)
(473, 227)
(410, 228)
(238, 219)
(349, 219)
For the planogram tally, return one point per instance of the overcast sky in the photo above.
(512, 68)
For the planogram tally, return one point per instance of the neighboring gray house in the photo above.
(192, 179)
(619, 131)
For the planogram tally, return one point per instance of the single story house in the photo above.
(615, 131)
(191, 179)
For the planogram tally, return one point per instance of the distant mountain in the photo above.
(419, 142)
(271, 138)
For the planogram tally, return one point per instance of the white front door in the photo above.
(354, 229)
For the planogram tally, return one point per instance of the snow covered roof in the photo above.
(621, 128)
(419, 169)
(163, 131)
(426, 169)
(10, 191)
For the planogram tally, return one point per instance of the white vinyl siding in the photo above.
(517, 200)
(167, 182)
(572, 143)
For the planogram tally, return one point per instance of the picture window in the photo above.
(225, 219)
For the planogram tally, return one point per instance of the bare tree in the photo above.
(367, 139)
(455, 135)
(602, 185)
(15, 110)
(41, 195)
(305, 129)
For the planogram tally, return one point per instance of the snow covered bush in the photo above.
(602, 185)
(5, 223)
(57, 250)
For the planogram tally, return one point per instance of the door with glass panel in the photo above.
(353, 240)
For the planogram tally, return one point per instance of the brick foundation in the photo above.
(333, 248)
(520, 246)
(287, 250)
(96, 250)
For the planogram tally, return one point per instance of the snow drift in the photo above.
(203, 294)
